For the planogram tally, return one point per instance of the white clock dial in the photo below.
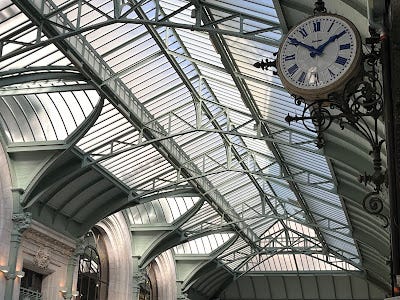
(318, 54)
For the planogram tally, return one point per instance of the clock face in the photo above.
(319, 54)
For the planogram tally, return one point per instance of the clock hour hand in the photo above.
(295, 42)
(321, 48)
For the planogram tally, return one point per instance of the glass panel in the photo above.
(203, 245)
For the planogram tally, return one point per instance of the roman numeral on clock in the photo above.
(341, 60)
(317, 26)
(344, 46)
(293, 69)
(290, 57)
(330, 27)
(302, 77)
(303, 32)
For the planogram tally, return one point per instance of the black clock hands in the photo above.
(319, 50)
(312, 49)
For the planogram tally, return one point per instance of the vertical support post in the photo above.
(21, 222)
(73, 261)
(391, 73)
(198, 109)
(229, 155)
(117, 9)
(78, 18)
(198, 12)
(157, 10)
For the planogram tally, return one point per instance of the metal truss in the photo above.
(222, 168)
(119, 145)
(26, 89)
(175, 236)
(233, 22)
(327, 225)
(276, 244)
(82, 54)
(286, 240)
(243, 229)
(45, 79)
(175, 125)
(181, 190)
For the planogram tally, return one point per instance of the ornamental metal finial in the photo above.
(319, 7)
(265, 65)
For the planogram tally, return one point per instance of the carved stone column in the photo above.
(139, 277)
(21, 222)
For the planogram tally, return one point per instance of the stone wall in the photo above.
(5, 215)
(46, 252)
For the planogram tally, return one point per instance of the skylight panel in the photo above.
(203, 245)
(47, 116)
(163, 210)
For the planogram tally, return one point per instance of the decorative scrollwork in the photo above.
(385, 221)
(316, 113)
(372, 203)
(320, 117)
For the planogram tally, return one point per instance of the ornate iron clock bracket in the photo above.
(359, 106)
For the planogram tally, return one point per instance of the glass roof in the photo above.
(184, 105)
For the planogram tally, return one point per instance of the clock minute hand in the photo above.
(330, 40)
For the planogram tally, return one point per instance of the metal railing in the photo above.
(27, 294)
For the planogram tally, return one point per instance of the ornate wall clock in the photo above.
(319, 56)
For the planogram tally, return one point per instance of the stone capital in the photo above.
(79, 247)
(21, 221)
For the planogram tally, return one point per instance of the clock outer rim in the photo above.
(320, 93)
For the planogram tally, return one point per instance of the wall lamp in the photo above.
(64, 293)
(20, 274)
(4, 269)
